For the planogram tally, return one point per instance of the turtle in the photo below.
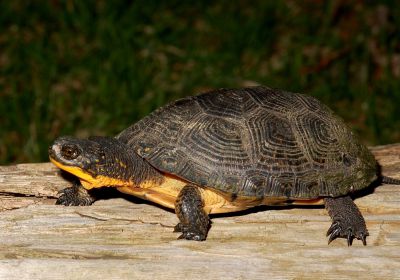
(229, 150)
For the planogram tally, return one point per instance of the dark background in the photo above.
(94, 67)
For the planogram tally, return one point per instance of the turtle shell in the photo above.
(257, 142)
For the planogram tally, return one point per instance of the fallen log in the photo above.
(122, 237)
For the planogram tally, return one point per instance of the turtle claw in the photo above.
(347, 221)
(74, 196)
(364, 238)
(189, 234)
(332, 227)
(192, 236)
(178, 228)
(336, 230)
(350, 238)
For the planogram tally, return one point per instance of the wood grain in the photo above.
(126, 238)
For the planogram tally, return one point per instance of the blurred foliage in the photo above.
(94, 67)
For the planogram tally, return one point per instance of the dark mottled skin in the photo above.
(75, 196)
(252, 142)
(194, 222)
(347, 220)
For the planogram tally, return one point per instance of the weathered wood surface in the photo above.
(126, 238)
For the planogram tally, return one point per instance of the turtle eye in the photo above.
(70, 152)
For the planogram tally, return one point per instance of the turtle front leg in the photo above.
(347, 221)
(194, 221)
(75, 196)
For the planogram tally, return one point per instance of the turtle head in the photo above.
(96, 161)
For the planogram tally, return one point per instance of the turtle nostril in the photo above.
(70, 152)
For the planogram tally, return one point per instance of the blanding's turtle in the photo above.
(228, 150)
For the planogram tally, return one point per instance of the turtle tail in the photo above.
(389, 180)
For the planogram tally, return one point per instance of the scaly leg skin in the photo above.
(347, 221)
(194, 222)
(75, 196)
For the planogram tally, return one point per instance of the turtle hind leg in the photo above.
(75, 196)
(347, 221)
(194, 221)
